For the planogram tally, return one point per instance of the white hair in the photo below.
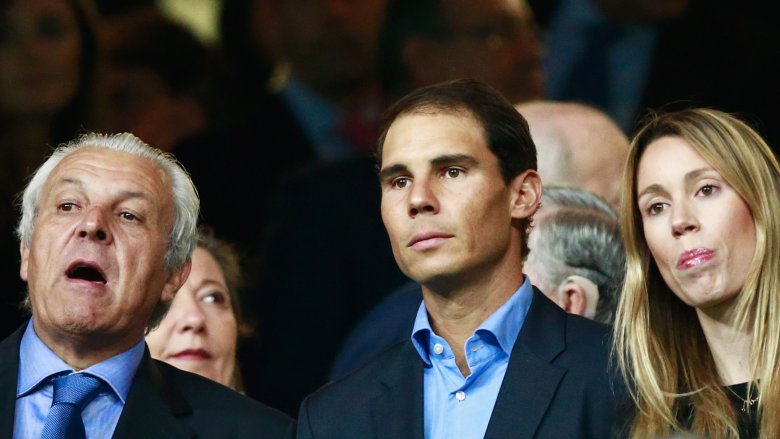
(581, 237)
(183, 236)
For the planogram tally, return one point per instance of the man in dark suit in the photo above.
(107, 229)
(489, 355)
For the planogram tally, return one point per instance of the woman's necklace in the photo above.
(746, 402)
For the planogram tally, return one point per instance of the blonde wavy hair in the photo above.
(659, 344)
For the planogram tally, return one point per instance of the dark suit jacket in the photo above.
(557, 385)
(164, 402)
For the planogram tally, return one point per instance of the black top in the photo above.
(747, 420)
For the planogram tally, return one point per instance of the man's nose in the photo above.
(422, 198)
(94, 225)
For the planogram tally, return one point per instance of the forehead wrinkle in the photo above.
(122, 194)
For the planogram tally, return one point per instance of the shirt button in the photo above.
(438, 348)
(460, 395)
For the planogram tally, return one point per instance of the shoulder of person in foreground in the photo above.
(567, 358)
(345, 408)
(219, 410)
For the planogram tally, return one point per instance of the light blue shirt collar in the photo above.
(38, 362)
(501, 328)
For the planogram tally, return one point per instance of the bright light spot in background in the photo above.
(200, 16)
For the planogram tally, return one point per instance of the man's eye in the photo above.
(454, 172)
(400, 182)
(67, 207)
(127, 216)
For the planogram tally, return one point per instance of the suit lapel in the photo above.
(9, 371)
(398, 411)
(531, 380)
(153, 406)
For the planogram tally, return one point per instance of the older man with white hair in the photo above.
(107, 229)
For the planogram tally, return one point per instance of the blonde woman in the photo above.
(697, 331)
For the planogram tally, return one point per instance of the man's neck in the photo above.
(82, 351)
(455, 313)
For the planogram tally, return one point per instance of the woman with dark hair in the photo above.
(697, 330)
(200, 332)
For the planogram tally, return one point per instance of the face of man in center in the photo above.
(445, 204)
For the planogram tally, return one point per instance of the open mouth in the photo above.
(87, 272)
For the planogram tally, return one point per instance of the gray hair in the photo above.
(566, 196)
(581, 237)
(183, 236)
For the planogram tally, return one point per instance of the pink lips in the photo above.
(694, 257)
(427, 240)
(192, 354)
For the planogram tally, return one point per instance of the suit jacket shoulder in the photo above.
(168, 402)
(557, 385)
(164, 402)
(381, 400)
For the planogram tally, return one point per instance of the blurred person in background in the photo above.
(577, 145)
(48, 62)
(576, 253)
(430, 41)
(201, 329)
(155, 81)
(624, 56)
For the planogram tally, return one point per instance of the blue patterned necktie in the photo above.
(71, 394)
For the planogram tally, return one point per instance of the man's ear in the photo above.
(25, 253)
(579, 295)
(175, 280)
(526, 194)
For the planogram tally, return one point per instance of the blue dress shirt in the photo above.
(34, 389)
(460, 407)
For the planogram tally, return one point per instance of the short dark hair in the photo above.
(505, 130)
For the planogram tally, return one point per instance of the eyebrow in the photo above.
(689, 177)
(125, 195)
(444, 160)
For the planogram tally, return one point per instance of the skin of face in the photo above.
(40, 51)
(699, 230)
(112, 212)
(199, 332)
(493, 41)
(446, 207)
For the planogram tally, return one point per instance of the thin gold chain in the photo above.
(746, 402)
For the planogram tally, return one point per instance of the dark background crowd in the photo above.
(277, 120)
